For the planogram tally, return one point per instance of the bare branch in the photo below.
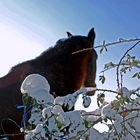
(109, 44)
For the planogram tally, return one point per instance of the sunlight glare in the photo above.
(15, 48)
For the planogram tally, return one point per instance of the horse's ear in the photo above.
(69, 34)
(91, 35)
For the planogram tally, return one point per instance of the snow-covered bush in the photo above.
(48, 120)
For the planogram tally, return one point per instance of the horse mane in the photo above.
(53, 51)
(61, 47)
(50, 53)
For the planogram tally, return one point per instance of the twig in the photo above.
(128, 124)
(91, 114)
(131, 134)
(98, 120)
(133, 91)
(107, 90)
(115, 129)
(8, 119)
(129, 110)
(6, 135)
(115, 65)
(118, 42)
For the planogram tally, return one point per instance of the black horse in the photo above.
(65, 72)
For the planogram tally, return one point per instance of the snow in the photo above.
(37, 87)
(36, 117)
(34, 82)
(108, 112)
(124, 91)
(86, 101)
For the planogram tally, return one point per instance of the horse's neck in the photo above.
(15, 75)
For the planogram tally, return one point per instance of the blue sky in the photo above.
(50, 19)
(27, 27)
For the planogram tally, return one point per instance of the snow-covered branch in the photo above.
(48, 120)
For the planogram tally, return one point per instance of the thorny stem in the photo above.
(118, 84)
(123, 102)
